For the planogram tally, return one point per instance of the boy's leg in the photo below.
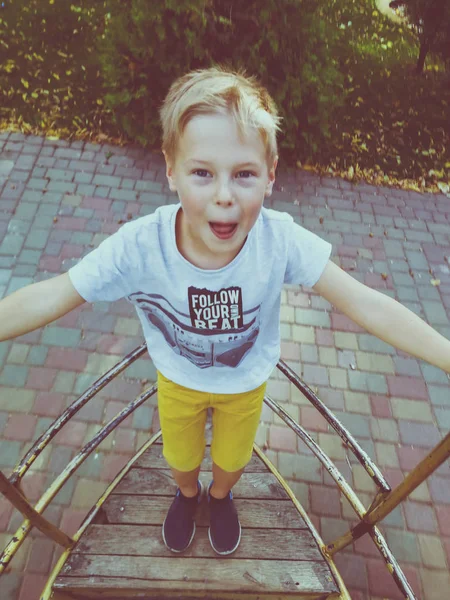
(182, 416)
(186, 481)
(235, 422)
(223, 481)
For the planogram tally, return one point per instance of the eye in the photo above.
(200, 172)
(246, 174)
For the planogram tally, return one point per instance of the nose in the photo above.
(224, 194)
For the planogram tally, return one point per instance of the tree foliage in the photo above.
(431, 19)
(375, 120)
(284, 42)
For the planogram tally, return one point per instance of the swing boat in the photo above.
(118, 552)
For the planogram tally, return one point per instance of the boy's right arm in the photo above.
(37, 305)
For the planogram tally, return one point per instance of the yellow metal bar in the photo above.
(37, 520)
(430, 463)
(14, 544)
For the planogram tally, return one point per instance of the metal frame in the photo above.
(384, 502)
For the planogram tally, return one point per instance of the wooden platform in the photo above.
(122, 555)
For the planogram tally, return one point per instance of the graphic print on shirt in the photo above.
(216, 332)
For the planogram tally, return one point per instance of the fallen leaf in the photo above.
(435, 282)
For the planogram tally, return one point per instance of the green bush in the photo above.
(284, 42)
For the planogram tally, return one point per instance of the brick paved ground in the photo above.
(60, 200)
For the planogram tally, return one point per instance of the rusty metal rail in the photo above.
(358, 507)
(32, 454)
(11, 487)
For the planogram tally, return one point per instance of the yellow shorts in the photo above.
(182, 415)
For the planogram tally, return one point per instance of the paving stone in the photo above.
(107, 180)
(439, 488)
(13, 375)
(434, 582)
(287, 314)
(328, 356)
(403, 279)
(289, 464)
(312, 317)
(374, 362)
(404, 545)
(92, 468)
(142, 370)
(61, 336)
(412, 410)
(370, 343)
(439, 395)
(18, 353)
(314, 374)
(386, 455)
(443, 419)
(346, 340)
(148, 186)
(332, 445)
(385, 430)
(13, 399)
(435, 313)
(282, 438)
(433, 374)
(25, 211)
(367, 382)
(338, 378)
(428, 293)
(62, 187)
(308, 353)
(37, 183)
(406, 366)
(303, 334)
(9, 453)
(357, 425)
(357, 402)
(407, 294)
(393, 249)
(12, 244)
(279, 390)
(37, 239)
(418, 434)
(11, 582)
(420, 517)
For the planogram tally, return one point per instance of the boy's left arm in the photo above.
(383, 316)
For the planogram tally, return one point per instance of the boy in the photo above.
(206, 277)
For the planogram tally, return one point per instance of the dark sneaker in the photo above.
(225, 530)
(178, 529)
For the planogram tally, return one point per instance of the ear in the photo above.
(271, 181)
(169, 173)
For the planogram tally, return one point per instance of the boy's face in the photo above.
(221, 181)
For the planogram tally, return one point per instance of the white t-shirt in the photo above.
(216, 331)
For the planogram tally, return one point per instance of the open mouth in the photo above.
(224, 231)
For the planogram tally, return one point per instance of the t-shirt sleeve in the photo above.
(106, 273)
(308, 255)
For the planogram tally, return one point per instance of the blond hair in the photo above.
(218, 89)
